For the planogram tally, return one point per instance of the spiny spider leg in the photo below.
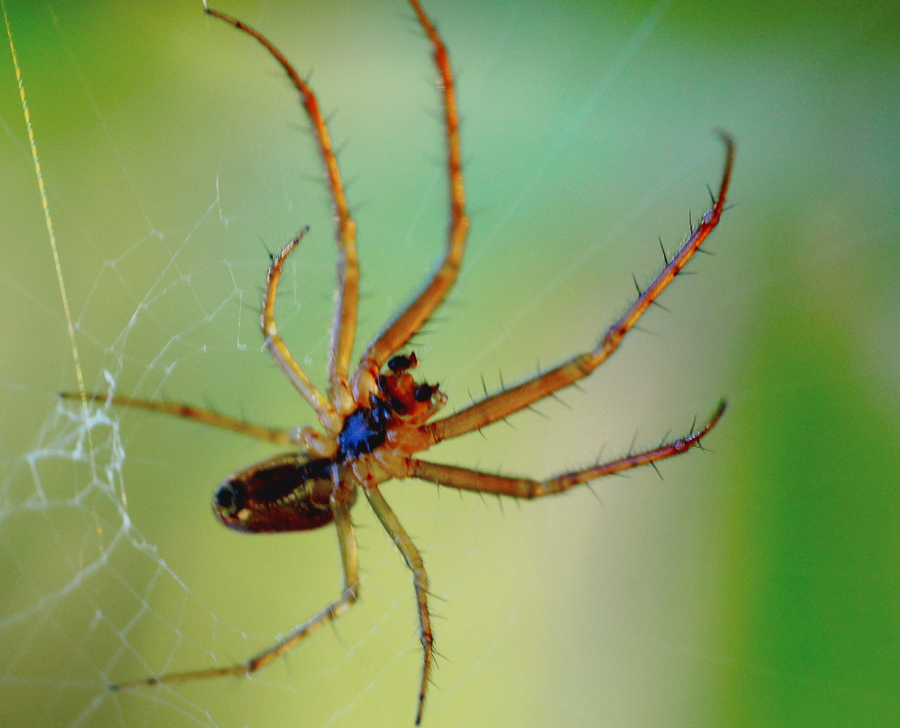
(410, 320)
(502, 404)
(349, 558)
(329, 418)
(467, 479)
(189, 412)
(344, 325)
(413, 559)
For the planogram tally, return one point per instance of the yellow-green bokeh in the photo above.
(756, 585)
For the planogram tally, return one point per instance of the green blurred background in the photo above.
(757, 585)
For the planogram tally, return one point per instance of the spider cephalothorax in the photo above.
(374, 421)
(399, 403)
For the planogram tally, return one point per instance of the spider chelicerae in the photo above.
(375, 421)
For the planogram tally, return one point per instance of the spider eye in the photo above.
(424, 392)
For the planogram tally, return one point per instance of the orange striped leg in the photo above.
(188, 412)
(344, 325)
(414, 561)
(348, 597)
(417, 312)
(505, 403)
(466, 479)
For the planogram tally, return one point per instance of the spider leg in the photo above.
(189, 412)
(417, 312)
(413, 559)
(466, 479)
(502, 404)
(344, 324)
(329, 418)
(347, 541)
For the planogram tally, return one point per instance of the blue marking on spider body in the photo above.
(364, 430)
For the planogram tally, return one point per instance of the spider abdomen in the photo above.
(284, 493)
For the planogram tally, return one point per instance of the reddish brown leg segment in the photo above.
(413, 559)
(188, 412)
(347, 541)
(344, 327)
(417, 312)
(500, 405)
(467, 479)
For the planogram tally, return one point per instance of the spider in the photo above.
(375, 420)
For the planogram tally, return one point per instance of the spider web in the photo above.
(175, 158)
